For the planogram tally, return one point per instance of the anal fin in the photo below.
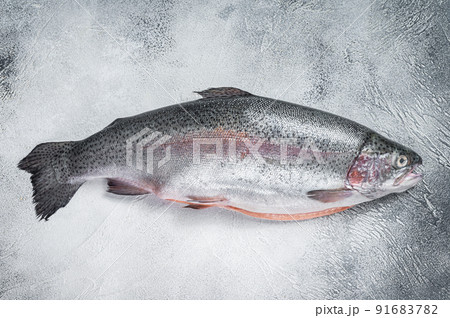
(206, 200)
(128, 187)
(198, 206)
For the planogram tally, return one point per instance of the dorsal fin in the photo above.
(222, 92)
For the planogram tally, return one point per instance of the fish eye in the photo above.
(402, 161)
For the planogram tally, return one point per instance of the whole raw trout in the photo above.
(231, 149)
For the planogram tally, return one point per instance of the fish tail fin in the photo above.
(49, 165)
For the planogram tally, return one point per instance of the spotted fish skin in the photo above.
(261, 181)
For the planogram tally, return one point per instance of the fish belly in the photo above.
(248, 185)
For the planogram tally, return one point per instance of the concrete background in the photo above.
(69, 68)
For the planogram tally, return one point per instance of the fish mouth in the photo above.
(410, 176)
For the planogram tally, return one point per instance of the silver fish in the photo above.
(263, 157)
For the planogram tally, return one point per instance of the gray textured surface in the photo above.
(66, 72)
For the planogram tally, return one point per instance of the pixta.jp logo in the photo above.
(149, 150)
(143, 145)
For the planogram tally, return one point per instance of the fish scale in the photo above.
(309, 179)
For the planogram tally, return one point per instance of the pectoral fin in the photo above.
(328, 196)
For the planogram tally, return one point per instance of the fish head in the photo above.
(382, 167)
